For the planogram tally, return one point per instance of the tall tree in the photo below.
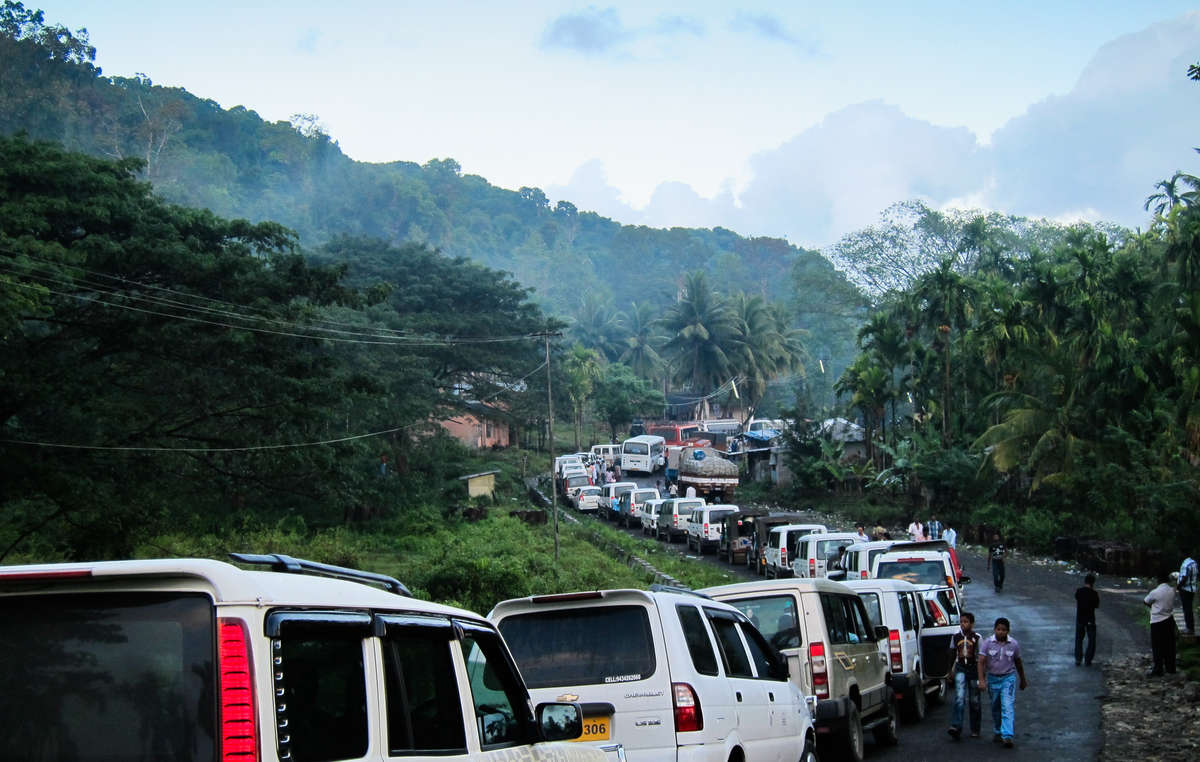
(700, 332)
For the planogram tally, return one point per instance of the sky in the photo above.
(795, 119)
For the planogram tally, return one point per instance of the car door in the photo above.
(751, 706)
(840, 661)
(783, 709)
(939, 621)
(869, 664)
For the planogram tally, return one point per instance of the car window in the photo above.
(99, 676)
(773, 539)
(765, 660)
(916, 572)
(324, 692)
(733, 653)
(424, 712)
(874, 613)
(872, 555)
(704, 659)
(775, 617)
(947, 601)
(856, 620)
(591, 646)
(835, 618)
(906, 613)
(828, 549)
(501, 705)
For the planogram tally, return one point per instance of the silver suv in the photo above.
(192, 659)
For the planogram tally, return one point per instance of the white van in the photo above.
(671, 676)
(781, 547)
(816, 553)
(646, 454)
(860, 557)
(705, 525)
(197, 659)
(673, 515)
(606, 453)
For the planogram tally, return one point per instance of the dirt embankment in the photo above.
(1149, 718)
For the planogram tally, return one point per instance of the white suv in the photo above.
(670, 675)
(705, 525)
(816, 553)
(201, 660)
(781, 547)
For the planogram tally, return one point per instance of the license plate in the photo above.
(595, 729)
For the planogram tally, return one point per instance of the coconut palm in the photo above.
(598, 326)
(642, 341)
(700, 335)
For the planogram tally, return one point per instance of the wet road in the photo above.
(1058, 716)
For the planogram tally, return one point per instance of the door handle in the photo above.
(770, 695)
(739, 695)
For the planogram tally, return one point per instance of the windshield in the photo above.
(595, 646)
(917, 572)
(636, 448)
(774, 616)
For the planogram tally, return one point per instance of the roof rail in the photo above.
(658, 588)
(281, 563)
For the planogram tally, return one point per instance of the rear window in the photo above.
(716, 517)
(594, 646)
(622, 490)
(828, 549)
(871, 601)
(107, 677)
(917, 572)
(590, 491)
(645, 494)
(636, 448)
(774, 616)
(578, 481)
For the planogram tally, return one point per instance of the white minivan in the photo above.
(606, 453)
(645, 454)
(705, 525)
(670, 675)
(781, 547)
(816, 553)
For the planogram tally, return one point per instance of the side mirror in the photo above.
(560, 721)
(965, 580)
(881, 632)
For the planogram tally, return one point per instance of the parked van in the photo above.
(671, 676)
(196, 659)
(587, 499)
(920, 567)
(816, 553)
(629, 505)
(781, 547)
(759, 531)
(861, 556)
(646, 454)
(606, 453)
(921, 620)
(673, 515)
(616, 489)
(705, 525)
(834, 652)
(650, 516)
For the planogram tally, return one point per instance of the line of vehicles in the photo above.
(864, 627)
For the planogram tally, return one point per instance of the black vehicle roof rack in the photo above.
(281, 563)
(659, 588)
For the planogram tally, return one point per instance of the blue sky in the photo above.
(619, 104)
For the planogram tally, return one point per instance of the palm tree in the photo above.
(944, 297)
(1170, 196)
(598, 326)
(869, 389)
(642, 341)
(699, 330)
(582, 368)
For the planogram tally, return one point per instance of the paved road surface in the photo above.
(1058, 716)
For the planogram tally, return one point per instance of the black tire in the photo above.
(888, 734)
(916, 705)
(851, 742)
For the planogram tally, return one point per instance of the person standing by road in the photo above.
(879, 533)
(997, 554)
(861, 533)
(964, 649)
(1161, 601)
(933, 530)
(1087, 600)
(950, 536)
(916, 531)
(999, 667)
(673, 490)
(1187, 593)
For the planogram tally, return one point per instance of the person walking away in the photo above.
(1087, 600)
(964, 650)
(933, 530)
(1161, 601)
(916, 531)
(1188, 573)
(997, 553)
(950, 536)
(691, 491)
(999, 667)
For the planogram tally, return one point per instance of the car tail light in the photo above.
(688, 716)
(950, 581)
(864, 574)
(782, 556)
(812, 568)
(34, 576)
(816, 657)
(894, 650)
(239, 732)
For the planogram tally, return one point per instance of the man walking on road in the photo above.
(1161, 601)
(933, 530)
(1087, 600)
(950, 536)
(964, 648)
(996, 555)
(1187, 593)
(916, 531)
(999, 667)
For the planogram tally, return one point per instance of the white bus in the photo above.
(645, 453)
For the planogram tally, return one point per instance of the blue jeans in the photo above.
(966, 691)
(1003, 690)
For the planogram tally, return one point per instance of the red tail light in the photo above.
(816, 657)
(239, 732)
(864, 574)
(894, 650)
(812, 568)
(782, 556)
(688, 716)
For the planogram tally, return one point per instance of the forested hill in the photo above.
(238, 165)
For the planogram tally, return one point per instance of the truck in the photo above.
(706, 470)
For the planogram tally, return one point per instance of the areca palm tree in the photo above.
(869, 388)
(765, 347)
(1171, 193)
(642, 341)
(699, 330)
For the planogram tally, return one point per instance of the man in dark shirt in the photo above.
(1087, 600)
(996, 555)
(964, 650)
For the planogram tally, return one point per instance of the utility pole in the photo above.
(550, 438)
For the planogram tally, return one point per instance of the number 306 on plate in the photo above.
(595, 729)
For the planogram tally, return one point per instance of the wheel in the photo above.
(809, 754)
(916, 704)
(888, 734)
(851, 741)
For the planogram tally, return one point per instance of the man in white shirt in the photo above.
(916, 531)
(861, 534)
(1161, 601)
(950, 536)
(1187, 592)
